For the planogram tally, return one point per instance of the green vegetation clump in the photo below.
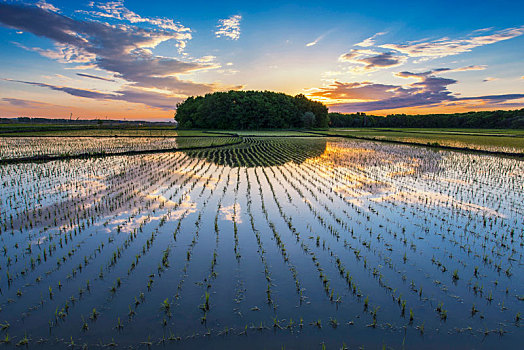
(243, 110)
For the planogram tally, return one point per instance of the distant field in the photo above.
(157, 132)
(19, 148)
(504, 140)
(501, 140)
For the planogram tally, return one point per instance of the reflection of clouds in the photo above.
(131, 224)
(228, 213)
(351, 163)
(420, 197)
(383, 172)
(185, 207)
(456, 181)
(210, 180)
(83, 187)
(357, 155)
(39, 240)
(161, 199)
(404, 169)
(343, 157)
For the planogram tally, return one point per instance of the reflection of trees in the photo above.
(264, 151)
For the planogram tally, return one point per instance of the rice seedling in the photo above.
(24, 341)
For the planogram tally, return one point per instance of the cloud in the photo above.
(133, 95)
(368, 57)
(72, 91)
(361, 91)
(120, 49)
(370, 60)
(24, 103)
(464, 69)
(447, 47)
(117, 10)
(229, 27)
(428, 90)
(385, 59)
(94, 77)
(63, 53)
(206, 59)
(488, 79)
(370, 41)
(46, 6)
(314, 42)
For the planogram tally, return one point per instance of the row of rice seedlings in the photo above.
(208, 280)
(261, 250)
(280, 244)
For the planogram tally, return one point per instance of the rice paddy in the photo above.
(503, 140)
(266, 242)
(34, 147)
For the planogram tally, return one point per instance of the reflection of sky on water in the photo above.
(381, 172)
(228, 213)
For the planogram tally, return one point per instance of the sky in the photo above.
(136, 60)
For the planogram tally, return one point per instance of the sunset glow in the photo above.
(130, 60)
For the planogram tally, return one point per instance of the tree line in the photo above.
(513, 119)
(240, 110)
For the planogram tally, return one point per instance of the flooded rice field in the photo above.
(295, 243)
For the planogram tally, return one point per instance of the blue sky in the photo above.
(137, 59)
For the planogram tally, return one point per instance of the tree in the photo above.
(308, 119)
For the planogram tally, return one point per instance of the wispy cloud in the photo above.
(429, 89)
(447, 47)
(370, 41)
(488, 79)
(134, 95)
(468, 68)
(17, 102)
(62, 53)
(94, 77)
(314, 42)
(229, 27)
(47, 6)
(368, 57)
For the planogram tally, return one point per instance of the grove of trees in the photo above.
(485, 120)
(240, 110)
